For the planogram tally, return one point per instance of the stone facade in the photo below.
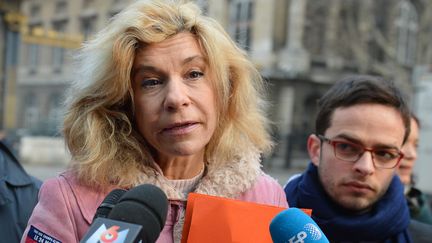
(54, 29)
(423, 108)
(301, 47)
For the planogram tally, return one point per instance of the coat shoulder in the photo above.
(420, 232)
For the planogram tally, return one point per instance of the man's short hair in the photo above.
(361, 89)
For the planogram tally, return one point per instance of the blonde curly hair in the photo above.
(99, 127)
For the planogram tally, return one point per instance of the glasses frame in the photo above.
(371, 150)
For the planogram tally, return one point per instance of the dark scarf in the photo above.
(387, 222)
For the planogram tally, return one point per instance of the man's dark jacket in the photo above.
(18, 196)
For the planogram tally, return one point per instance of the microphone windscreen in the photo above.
(293, 225)
(145, 205)
(108, 203)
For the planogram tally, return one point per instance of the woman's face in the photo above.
(410, 154)
(175, 107)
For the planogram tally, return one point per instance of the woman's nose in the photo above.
(176, 95)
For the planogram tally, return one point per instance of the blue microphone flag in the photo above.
(294, 226)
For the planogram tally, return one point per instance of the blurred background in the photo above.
(301, 47)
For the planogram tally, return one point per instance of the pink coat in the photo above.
(66, 208)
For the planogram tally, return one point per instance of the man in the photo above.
(350, 184)
(18, 196)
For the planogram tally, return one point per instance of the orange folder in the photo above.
(215, 219)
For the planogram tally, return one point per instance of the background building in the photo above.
(51, 32)
(423, 107)
(10, 23)
(55, 28)
(301, 48)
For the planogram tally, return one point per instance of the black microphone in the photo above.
(108, 203)
(138, 216)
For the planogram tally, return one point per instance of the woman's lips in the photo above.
(180, 128)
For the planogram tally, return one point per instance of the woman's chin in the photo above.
(180, 151)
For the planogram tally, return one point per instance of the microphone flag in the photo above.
(104, 230)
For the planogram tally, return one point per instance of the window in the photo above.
(88, 3)
(55, 112)
(31, 112)
(33, 49)
(88, 26)
(315, 28)
(12, 47)
(407, 27)
(241, 16)
(33, 57)
(60, 7)
(35, 11)
(57, 58)
(60, 25)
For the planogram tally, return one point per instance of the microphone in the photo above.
(108, 203)
(293, 225)
(138, 216)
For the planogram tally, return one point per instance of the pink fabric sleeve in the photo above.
(53, 215)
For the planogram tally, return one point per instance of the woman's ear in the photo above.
(314, 149)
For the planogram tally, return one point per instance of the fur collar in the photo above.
(226, 180)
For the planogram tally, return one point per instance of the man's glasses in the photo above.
(386, 158)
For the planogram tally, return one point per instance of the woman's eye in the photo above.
(149, 83)
(195, 74)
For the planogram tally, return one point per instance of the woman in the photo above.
(417, 200)
(165, 98)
